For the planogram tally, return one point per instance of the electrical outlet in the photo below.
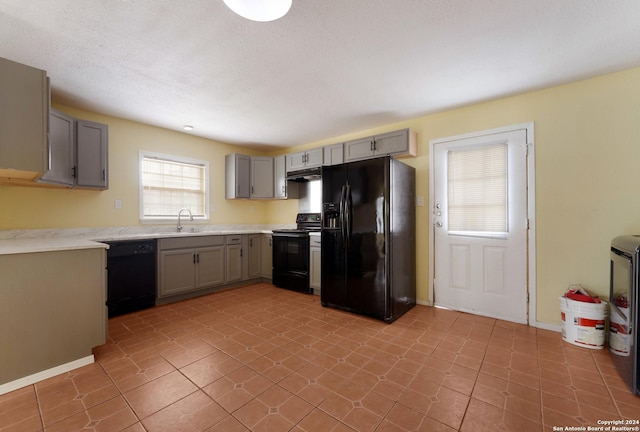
(420, 201)
(117, 204)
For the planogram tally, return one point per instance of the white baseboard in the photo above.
(537, 324)
(547, 326)
(45, 374)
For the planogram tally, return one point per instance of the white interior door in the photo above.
(480, 224)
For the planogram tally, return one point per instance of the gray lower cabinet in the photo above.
(187, 264)
(266, 257)
(209, 266)
(315, 264)
(254, 255)
(234, 258)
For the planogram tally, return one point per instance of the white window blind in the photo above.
(477, 189)
(170, 183)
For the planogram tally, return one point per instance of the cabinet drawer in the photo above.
(315, 241)
(234, 239)
(190, 242)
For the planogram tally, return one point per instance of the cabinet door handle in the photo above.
(194, 258)
(104, 175)
(74, 171)
(371, 145)
(240, 252)
(250, 242)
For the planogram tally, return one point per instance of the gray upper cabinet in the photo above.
(358, 149)
(255, 177)
(333, 154)
(237, 176)
(24, 120)
(78, 153)
(91, 155)
(306, 159)
(62, 150)
(261, 177)
(397, 143)
(279, 177)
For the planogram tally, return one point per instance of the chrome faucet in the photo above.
(179, 227)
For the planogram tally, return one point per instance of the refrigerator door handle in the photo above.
(349, 215)
(343, 203)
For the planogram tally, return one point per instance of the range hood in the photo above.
(305, 175)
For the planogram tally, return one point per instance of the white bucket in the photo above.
(619, 338)
(583, 324)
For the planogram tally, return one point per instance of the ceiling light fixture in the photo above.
(260, 10)
(187, 127)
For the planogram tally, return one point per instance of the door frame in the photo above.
(531, 210)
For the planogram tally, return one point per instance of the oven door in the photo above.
(291, 261)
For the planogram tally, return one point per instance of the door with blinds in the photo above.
(480, 225)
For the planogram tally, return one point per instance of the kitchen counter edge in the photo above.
(21, 245)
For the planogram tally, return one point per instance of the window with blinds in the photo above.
(477, 189)
(170, 183)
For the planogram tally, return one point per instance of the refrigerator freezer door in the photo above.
(333, 261)
(367, 291)
(334, 290)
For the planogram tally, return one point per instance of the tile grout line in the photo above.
(609, 392)
(120, 394)
(40, 414)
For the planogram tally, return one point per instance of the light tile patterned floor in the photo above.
(261, 358)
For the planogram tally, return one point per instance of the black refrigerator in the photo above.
(368, 238)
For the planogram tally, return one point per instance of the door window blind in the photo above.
(477, 189)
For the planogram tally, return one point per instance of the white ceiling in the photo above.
(329, 67)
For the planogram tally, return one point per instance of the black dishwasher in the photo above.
(131, 276)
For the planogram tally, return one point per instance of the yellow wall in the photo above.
(31, 207)
(587, 150)
(587, 156)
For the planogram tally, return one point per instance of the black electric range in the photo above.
(291, 253)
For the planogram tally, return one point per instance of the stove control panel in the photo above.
(308, 217)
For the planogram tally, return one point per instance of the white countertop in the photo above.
(21, 246)
(47, 240)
